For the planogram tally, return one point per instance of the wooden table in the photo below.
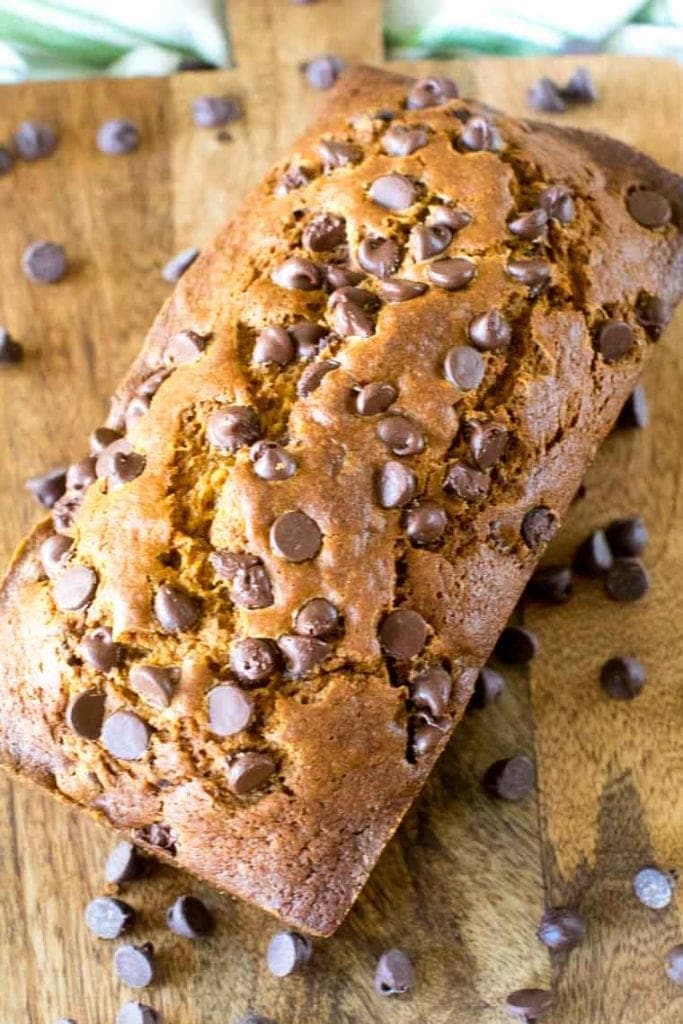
(463, 884)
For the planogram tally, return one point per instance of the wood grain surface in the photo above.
(462, 886)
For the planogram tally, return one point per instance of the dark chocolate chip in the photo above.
(403, 633)
(488, 331)
(119, 463)
(295, 537)
(287, 952)
(431, 688)
(512, 778)
(302, 654)
(654, 888)
(249, 581)
(479, 134)
(297, 274)
(529, 225)
(449, 217)
(674, 964)
(651, 209)
(108, 918)
(627, 580)
(593, 556)
(486, 441)
(634, 412)
(322, 72)
(137, 1013)
(528, 1004)
(627, 536)
(580, 88)
(134, 965)
(622, 677)
(34, 140)
(232, 426)
(85, 714)
(538, 527)
(11, 352)
(254, 659)
(189, 918)
(431, 92)
(395, 485)
(360, 297)
(614, 340)
(401, 289)
(318, 618)
(123, 864)
(561, 929)
(185, 347)
(464, 367)
(489, 685)
(426, 737)
(324, 232)
(118, 137)
(451, 274)
(341, 277)
(49, 487)
(403, 139)
(101, 438)
(216, 111)
(517, 645)
(80, 475)
(401, 435)
(125, 735)
(375, 397)
(425, 524)
(273, 345)
(558, 203)
(337, 154)
(350, 320)
(44, 262)
(175, 609)
(466, 483)
(178, 264)
(551, 584)
(653, 313)
(295, 177)
(533, 273)
(100, 651)
(156, 684)
(393, 192)
(249, 770)
(545, 95)
(309, 338)
(53, 551)
(230, 710)
(379, 256)
(74, 587)
(395, 974)
(429, 240)
(312, 376)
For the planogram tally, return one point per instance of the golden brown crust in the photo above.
(349, 745)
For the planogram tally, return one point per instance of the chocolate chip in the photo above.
(311, 378)
(429, 240)
(551, 584)
(230, 710)
(464, 367)
(654, 888)
(137, 1013)
(272, 462)
(318, 618)
(295, 177)
(431, 688)
(448, 217)
(297, 274)
(65, 511)
(529, 225)
(123, 864)
(189, 918)
(322, 72)
(100, 651)
(295, 537)
(393, 192)
(395, 974)
(426, 737)
(74, 587)
(178, 264)
(627, 580)
(451, 274)
(11, 352)
(158, 835)
(185, 347)
(118, 137)
(53, 551)
(101, 438)
(479, 134)
(287, 952)
(253, 659)
(561, 929)
(580, 88)
(360, 297)
(558, 203)
(651, 209)
(627, 536)
(309, 338)
(119, 463)
(324, 232)
(545, 95)
(622, 677)
(216, 111)
(431, 92)
(653, 313)
(425, 524)
(352, 321)
(402, 139)
(108, 918)
(614, 340)
(379, 256)
(249, 770)
(232, 426)
(302, 654)
(273, 345)
(138, 406)
(489, 331)
(466, 483)
(516, 645)
(249, 581)
(175, 609)
(400, 435)
(489, 685)
(486, 441)
(80, 475)
(403, 633)
(375, 398)
(538, 527)
(33, 140)
(533, 273)
(341, 277)
(528, 1004)
(156, 684)
(337, 154)
(85, 714)
(44, 262)
(125, 735)
(395, 485)
(134, 965)
(401, 290)
(634, 413)
(593, 556)
(6, 161)
(49, 487)
(512, 778)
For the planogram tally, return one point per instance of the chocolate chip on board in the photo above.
(323, 71)
(395, 974)
(634, 413)
(593, 556)
(189, 917)
(489, 685)
(49, 487)
(622, 677)
(216, 111)
(288, 952)
(627, 536)
(174, 269)
(6, 161)
(134, 965)
(108, 918)
(546, 96)
(561, 929)
(33, 140)
(512, 778)
(118, 137)
(627, 580)
(674, 964)
(10, 350)
(528, 1004)
(138, 1013)
(551, 584)
(124, 864)
(517, 645)
(654, 888)
(44, 262)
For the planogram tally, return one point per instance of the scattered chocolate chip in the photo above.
(118, 137)
(375, 398)
(634, 412)
(287, 952)
(400, 435)
(80, 475)
(393, 192)
(379, 256)
(189, 918)
(53, 551)
(528, 1004)
(425, 737)
(6, 161)
(545, 95)
(10, 350)
(517, 645)
(85, 714)
(466, 483)
(101, 438)
(551, 584)
(232, 426)
(309, 338)
(249, 770)
(447, 216)
(403, 633)
(529, 225)
(33, 140)
(593, 556)
(156, 684)
(350, 320)
(558, 203)
(65, 510)
(125, 735)
(627, 580)
(295, 537)
(312, 377)
(614, 340)
(302, 654)
(674, 964)
(108, 918)
(451, 274)
(295, 177)
(395, 485)
(395, 974)
(654, 888)
(360, 297)
(137, 1013)
(123, 864)
(538, 527)
(486, 441)
(337, 154)
(341, 277)
(272, 462)
(464, 367)
(119, 464)
(74, 587)
(401, 290)
(479, 134)
(134, 965)
(622, 677)
(324, 232)
(99, 650)
(489, 685)
(580, 88)
(216, 111)
(230, 710)
(402, 139)
(533, 273)
(185, 347)
(425, 524)
(627, 536)
(273, 345)
(253, 659)
(317, 618)
(512, 778)
(431, 92)
(489, 331)
(429, 240)
(175, 609)
(49, 487)
(297, 274)
(431, 688)
(653, 313)
(44, 262)
(322, 72)
(561, 929)
(178, 264)
(648, 208)
(249, 581)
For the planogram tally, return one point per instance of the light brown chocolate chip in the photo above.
(395, 484)
(85, 714)
(295, 537)
(431, 92)
(401, 289)
(452, 274)
(254, 659)
(295, 177)
(393, 192)
(119, 464)
(230, 710)
(186, 347)
(427, 241)
(337, 154)
(449, 217)
(302, 654)
(466, 483)
(530, 225)
(248, 771)
(489, 331)
(175, 609)
(297, 274)
(156, 684)
(125, 735)
(99, 649)
(401, 435)
(480, 134)
(53, 551)
(273, 345)
(379, 256)
(403, 139)
(250, 585)
(464, 367)
(650, 209)
(272, 462)
(403, 633)
(74, 588)
(324, 232)
(232, 426)
(558, 203)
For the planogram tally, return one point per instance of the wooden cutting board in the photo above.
(462, 886)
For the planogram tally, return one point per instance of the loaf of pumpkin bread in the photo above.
(253, 621)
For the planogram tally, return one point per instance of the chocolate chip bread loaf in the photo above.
(255, 617)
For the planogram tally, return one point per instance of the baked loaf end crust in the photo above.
(377, 390)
